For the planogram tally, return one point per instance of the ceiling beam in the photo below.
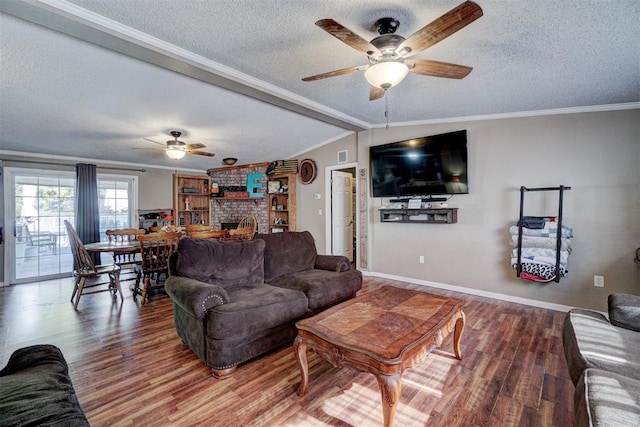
(90, 27)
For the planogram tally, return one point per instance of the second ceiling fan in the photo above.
(177, 149)
(389, 53)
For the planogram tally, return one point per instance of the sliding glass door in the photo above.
(37, 202)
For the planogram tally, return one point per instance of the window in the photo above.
(116, 198)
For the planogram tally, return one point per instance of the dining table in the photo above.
(120, 247)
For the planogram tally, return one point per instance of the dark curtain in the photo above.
(87, 209)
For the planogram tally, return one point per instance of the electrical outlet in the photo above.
(598, 281)
(421, 259)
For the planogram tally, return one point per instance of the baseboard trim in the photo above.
(476, 292)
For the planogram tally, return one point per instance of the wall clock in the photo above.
(307, 171)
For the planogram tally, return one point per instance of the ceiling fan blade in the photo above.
(438, 69)
(376, 93)
(335, 73)
(441, 28)
(201, 153)
(347, 36)
(155, 142)
(195, 146)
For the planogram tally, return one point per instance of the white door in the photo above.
(342, 214)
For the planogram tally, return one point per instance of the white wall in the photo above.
(597, 154)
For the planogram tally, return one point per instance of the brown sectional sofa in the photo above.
(603, 357)
(234, 301)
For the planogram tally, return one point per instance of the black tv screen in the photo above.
(421, 166)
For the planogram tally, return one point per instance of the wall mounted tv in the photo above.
(421, 166)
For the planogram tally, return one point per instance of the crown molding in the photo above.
(518, 114)
(70, 161)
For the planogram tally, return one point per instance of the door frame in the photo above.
(328, 205)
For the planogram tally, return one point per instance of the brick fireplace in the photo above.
(226, 213)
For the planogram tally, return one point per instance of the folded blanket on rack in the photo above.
(539, 255)
(533, 278)
(544, 272)
(550, 230)
(536, 222)
(541, 242)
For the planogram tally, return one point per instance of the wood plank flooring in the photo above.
(129, 368)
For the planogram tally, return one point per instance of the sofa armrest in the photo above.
(36, 355)
(337, 263)
(624, 311)
(193, 296)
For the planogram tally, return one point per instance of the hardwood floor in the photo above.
(129, 368)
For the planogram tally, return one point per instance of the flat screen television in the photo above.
(431, 165)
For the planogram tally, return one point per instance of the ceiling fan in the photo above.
(389, 53)
(175, 149)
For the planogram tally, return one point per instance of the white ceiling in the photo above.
(228, 73)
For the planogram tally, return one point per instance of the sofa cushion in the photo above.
(35, 389)
(287, 252)
(607, 399)
(253, 308)
(590, 341)
(624, 311)
(322, 288)
(221, 263)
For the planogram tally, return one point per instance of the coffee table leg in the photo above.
(300, 350)
(390, 386)
(457, 334)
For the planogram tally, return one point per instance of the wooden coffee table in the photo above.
(382, 332)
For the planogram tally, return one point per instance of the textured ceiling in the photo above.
(64, 96)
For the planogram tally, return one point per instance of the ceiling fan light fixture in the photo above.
(386, 74)
(175, 153)
(229, 161)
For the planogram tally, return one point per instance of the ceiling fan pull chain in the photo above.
(386, 107)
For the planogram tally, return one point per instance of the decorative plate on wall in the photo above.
(307, 171)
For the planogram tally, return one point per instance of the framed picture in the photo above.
(273, 187)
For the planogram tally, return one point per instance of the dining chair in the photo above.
(127, 260)
(155, 249)
(194, 228)
(241, 234)
(209, 234)
(88, 275)
(247, 228)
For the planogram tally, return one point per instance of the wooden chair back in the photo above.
(194, 228)
(82, 262)
(209, 234)
(124, 234)
(248, 226)
(155, 249)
